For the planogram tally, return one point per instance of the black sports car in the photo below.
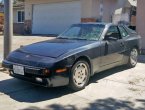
(75, 55)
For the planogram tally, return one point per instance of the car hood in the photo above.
(54, 48)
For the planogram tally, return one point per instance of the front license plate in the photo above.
(18, 69)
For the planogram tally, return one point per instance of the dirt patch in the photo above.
(136, 81)
(133, 89)
(136, 87)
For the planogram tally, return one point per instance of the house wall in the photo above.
(18, 27)
(87, 10)
(15, 15)
(109, 9)
(29, 11)
(29, 5)
(121, 12)
(141, 21)
(90, 9)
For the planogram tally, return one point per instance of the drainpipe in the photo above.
(8, 26)
(101, 11)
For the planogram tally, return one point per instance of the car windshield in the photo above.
(83, 32)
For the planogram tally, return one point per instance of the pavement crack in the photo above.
(82, 97)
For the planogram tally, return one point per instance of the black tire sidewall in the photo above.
(72, 85)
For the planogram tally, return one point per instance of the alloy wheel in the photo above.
(80, 75)
(133, 57)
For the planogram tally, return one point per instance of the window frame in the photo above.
(119, 37)
(22, 19)
(124, 30)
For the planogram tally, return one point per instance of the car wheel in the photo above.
(80, 75)
(133, 58)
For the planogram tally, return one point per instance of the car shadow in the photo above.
(25, 92)
(107, 73)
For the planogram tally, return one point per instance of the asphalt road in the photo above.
(116, 89)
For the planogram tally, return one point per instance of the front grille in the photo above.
(33, 71)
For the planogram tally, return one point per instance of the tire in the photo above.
(133, 58)
(80, 75)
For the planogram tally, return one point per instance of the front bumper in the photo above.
(33, 75)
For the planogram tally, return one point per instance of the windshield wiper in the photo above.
(74, 38)
(62, 37)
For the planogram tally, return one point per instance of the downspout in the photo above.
(101, 11)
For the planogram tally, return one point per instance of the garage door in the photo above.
(56, 17)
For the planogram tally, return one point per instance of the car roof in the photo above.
(101, 23)
(97, 23)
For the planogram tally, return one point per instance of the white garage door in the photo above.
(56, 17)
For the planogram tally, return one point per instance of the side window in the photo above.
(113, 32)
(123, 32)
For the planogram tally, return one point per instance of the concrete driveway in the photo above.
(116, 89)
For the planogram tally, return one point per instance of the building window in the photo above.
(20, 16)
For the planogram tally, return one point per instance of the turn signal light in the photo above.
(61, 70)
(46, 72)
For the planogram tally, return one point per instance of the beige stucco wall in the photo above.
(109, 9)
(90, 9)
(15, 16)
(86, 8)
(18, 27)
(141, 20)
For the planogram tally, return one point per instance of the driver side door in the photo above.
(113, 48)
